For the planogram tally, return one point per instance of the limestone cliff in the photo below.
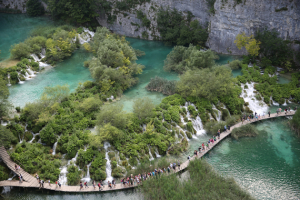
(14, 4)
(230, 18)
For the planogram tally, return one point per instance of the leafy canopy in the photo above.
(249, 42)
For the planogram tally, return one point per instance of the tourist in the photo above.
(285, 111)
(279, 110)
(269, 113)
(81, 186)
(94, 184)
(263, 115)
(207, 145)
(59, 184)
(21, 178)
(174, 166)
(19, 167)
(189, 157)
(225, 129)
(109, 185)
(178, 163)
(229, 127)
(168, 169)
(16, 167)
(256, 117)
(203, 146)
(99, 186)
(101, 183)
(49, 182)
(114, 182)
(56, 185)
(37, 177)
(42, 181)
(218, 134)
(86, 185)
(199, 149)
(289, 109)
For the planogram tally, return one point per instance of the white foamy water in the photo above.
(218, 113)
(150, 154)
(87, 178)
(108, 165)
(255, 105)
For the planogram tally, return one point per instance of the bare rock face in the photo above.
(128, 24)
(14, 4)
(231, 19)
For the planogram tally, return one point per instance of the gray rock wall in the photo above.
(14, 4)
(230, 20)
(124, 24)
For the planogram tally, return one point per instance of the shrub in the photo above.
(247, 130)
(34, 8)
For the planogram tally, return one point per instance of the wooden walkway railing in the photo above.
(31, 182)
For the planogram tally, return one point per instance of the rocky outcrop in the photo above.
(19, 5)
(128, 24)
(231, 19)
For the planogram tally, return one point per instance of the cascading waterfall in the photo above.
(219, 113)
(150, 154)
(85, 36)
(64, 170)
(31, 72)
(54, 148)
(274, 102)
(156, 153)
(108, 165)
(33, 137)
(7, 189)
(8, 77)
(87, 178)
(285, 104)
(20, 82)
(255, 105)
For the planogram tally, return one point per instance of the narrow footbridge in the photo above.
(31, 182)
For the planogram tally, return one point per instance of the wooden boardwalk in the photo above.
(31, 182)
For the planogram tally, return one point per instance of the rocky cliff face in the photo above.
(229, 20)
(14, 4)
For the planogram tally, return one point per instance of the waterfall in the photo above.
(198, 126)
(8, 77)
(35, 58)
(108, 165)
(150, 154)
(255, 105)
(87, 178)
(33, 137)
(157, 154)
(54, 148)
(274, 102)
(219, 113)
(20, 82)
(144, 127)
(224, 107)
(85, 36)
(7, 189)
(63, 175)
(3, 123)
(285, 104)
(31, 72)
(43, 53)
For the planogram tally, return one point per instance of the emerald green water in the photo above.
(16, 28)
(70, 72)
(268, 166)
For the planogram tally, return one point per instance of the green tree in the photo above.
(208, 83)
(5, 105)
(79, 11)
(112, 114)
(54, 94)
(249, 42)
(109, 133)
(182, 59)
(143, 108)
(6, 137)
(34, 8)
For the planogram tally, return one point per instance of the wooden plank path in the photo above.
(31, 182)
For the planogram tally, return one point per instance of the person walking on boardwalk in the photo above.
(99, 186)
(269, 113)
(219, 134)
(289, 109)
(225, 128)
(178, 163)
(37, 178)
(203, 147)
(94, 184)
(168, 169)
(174, 166)
(81, 186)
(114, 182)
(86, 185)
(49, 182)
(189, 157)
(59, 183)
(229, 127)
(21, 178)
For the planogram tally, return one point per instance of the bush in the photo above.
(247, 130)
(34, 8)
(162, 85)
(73, 175)
(236, 64)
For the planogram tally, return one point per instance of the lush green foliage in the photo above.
(113, 66)
(143, 108)
(34, 8)
(247, 130)
(236, 64)
(209, 83)
(145, 21)
(57, 42)
(268, 87)
(7, 138)
(78, 11)
(73, 175)
(35, 158)
(4, 172)
(4, 103)
(162, 85)
(203, 183)
(274, 48)
(175, 28)
(182, 59)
